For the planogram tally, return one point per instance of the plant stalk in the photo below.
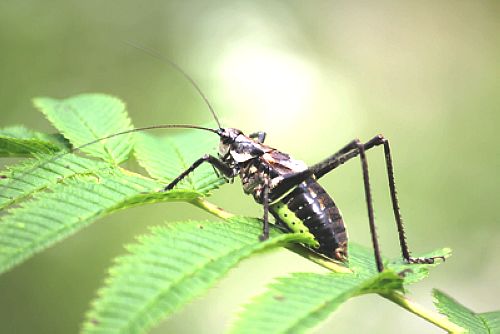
(422, 312)
(211, 208)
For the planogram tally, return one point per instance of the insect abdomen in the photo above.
(309, 209)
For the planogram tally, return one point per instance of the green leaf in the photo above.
(416, 272)
(170, 267)
(459, 314)
(166, 157)
(69, 206)
(492, 320)
(25, 179)
(158, 156)
(297, 303)
(81, 191)
(362, 262)
(88, 117)
(18, 141)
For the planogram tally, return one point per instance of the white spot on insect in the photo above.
(275, 181)
(252, 170)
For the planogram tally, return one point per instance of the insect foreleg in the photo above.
(260, 135)
(226, 170)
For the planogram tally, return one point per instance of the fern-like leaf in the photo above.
(25, 179)
(82, 190)
(474, 323)
(88, 117)
(69, 206)
(297, 303)
(362, 262)
(18, 141)
(170, 267)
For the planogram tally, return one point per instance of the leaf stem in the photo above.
(395, 297)
(211, 208)
(422, 312)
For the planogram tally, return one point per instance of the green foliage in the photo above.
(69, 206)
(297, 303)
(88, 117)
(55, 194)
(301, 301)
(171, 266)
(17, 141)
(80, 190)
(416, 272)
(27, 178)
(474, 323)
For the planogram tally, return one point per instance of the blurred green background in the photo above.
(314, 75)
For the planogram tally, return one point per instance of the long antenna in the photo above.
(152, 127)
(156, 55)
(79, 148)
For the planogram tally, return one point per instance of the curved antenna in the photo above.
(152, 127)
(79, 148)
(181, 71)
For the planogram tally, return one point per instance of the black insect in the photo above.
(288, 188)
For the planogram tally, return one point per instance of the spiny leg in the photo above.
(378, 140)
(216, 163)
(369, 203)
(337, 159)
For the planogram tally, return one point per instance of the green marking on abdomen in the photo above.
(293, 222)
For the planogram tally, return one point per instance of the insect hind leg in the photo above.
(369, 203)
(353, 149)
(380, 140)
